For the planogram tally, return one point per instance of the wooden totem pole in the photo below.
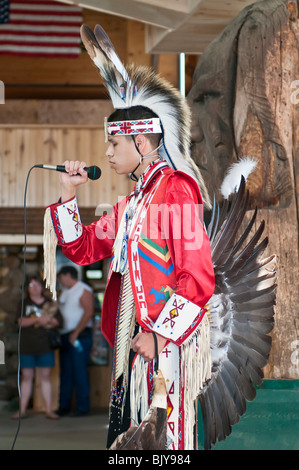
(245, 102)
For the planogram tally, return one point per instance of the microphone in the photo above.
(93, 172)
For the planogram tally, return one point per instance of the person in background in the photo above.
(77, 307)
(40, 315)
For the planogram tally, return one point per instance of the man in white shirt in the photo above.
(76, 304)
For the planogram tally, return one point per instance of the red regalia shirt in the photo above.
(169, 255)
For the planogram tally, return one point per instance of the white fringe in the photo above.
(117, 247)
(139, 391)
(195, 370)
(126, 326)
(49, 246)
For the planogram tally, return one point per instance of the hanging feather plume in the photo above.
(141, 86)
(243, 167)
(151, 434)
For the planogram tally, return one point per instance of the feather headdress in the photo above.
(141, 86)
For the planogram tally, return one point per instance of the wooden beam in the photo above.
(51, 112)
(12, 220)
(55, 91)
(183, 6)
(141, 11)
(196, 30)
(174, 26)
(190, 38)
(13, 239)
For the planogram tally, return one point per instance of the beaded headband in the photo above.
(145, 126)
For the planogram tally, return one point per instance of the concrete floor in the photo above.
(39, 433)
(270, 423)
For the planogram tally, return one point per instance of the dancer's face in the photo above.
(122, 154)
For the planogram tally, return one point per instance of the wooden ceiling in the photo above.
(173, 26)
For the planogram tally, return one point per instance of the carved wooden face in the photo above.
(211, 99)
(241, 107)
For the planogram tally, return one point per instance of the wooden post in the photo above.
(244, 102)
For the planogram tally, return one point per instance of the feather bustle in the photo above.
(241, 313)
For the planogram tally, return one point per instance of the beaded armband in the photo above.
(178, 319)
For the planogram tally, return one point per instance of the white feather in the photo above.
(231, 182)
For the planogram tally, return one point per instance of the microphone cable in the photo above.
(96, 173)
(22, 307)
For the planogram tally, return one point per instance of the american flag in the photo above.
(39, 28)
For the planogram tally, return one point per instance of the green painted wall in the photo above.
(270, 423)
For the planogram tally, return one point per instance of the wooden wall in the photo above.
(30, 145)
(51, 131)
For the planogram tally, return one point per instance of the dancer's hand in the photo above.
(144, 344)
(74, 176)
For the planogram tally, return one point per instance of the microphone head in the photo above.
(93, 172)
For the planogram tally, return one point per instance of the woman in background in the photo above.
(40, 315)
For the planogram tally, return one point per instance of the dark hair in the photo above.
(34, 277)
(69, 270)
(133, 114)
